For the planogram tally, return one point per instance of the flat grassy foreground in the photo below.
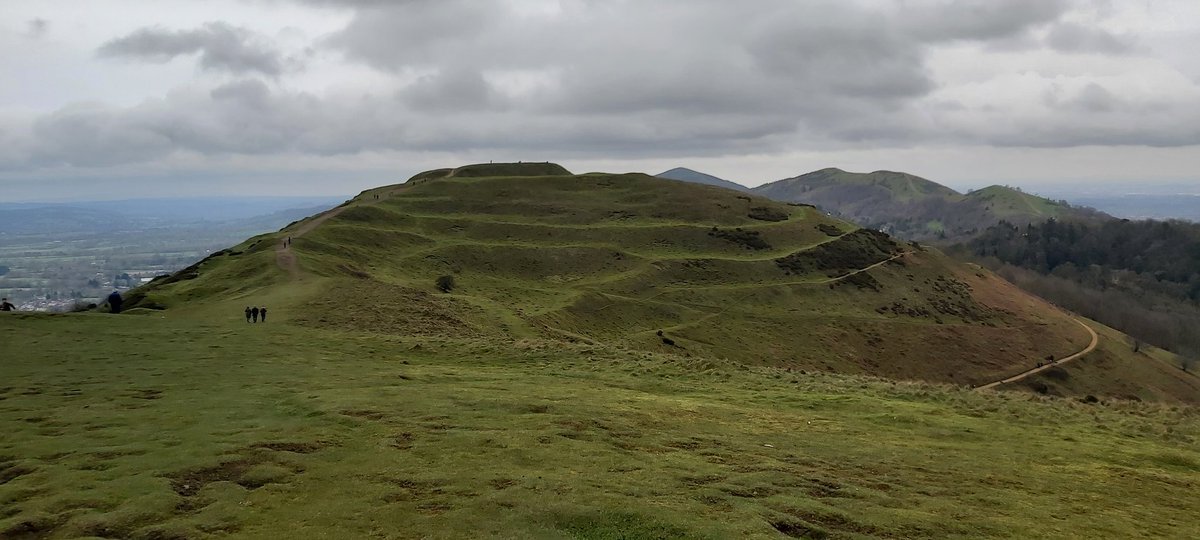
(153, 426)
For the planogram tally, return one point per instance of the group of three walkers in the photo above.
(253, 314)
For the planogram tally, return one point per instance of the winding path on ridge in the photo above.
(1091, 347)
(1095, 342)
(285, 258)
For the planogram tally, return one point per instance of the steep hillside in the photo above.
(1149, 374)
(1141, 277)
(913, 207)
(635, 262)
(687, 175)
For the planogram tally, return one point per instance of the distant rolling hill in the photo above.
(687, 175)
(913, 207)
(637, 262)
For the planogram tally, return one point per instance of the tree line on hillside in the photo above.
(1141, 277)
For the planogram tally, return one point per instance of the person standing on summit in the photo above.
(114, 302)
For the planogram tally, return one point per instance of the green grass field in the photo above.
(190, 424)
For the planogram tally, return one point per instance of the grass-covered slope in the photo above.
(1016, 206)
(642, 263)
(190, 423)
(913, 207)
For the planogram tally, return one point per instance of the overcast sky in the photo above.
(113, 99)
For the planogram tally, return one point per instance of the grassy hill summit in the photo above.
(494, 169)
(898, 185)
(585, 356)
(633, 261)
(684, 174)
(1009, 203)
(913, 207)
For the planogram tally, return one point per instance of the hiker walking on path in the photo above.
(254, 313)
(247, 313)
(262, 312)
(114, 302)
(6, 306)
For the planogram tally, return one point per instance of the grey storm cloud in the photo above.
(221, 46)
(249, 117)
(974, 20)
(463, 90)
(37, 27)
(1076, 38)
(635, 79)
(242, 117)
(781, 56)
(1096, 99)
